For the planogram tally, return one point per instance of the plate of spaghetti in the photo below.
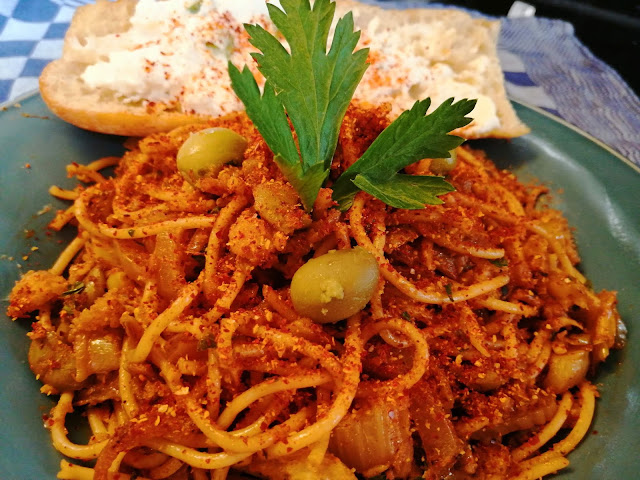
(455, 354)
(240, 320)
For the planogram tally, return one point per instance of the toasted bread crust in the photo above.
(106, 117)
(67, 97)
(73, 101)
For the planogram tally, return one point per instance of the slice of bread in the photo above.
(460, 41)
(68, 96)
(447, 53)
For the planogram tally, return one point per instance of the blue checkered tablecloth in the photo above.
(544, 63)
(31, 35)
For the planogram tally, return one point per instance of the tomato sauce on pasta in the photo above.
(169, 322)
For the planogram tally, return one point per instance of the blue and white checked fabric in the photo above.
(544, 64)
(31, 35)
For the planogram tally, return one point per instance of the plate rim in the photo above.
(578, 130)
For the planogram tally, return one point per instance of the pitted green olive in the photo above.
(207, 151)
(442, 166)
(335, 285)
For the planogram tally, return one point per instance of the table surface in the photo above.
(544, 62)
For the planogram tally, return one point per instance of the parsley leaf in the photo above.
(312, 89)
(269, 117)
(312, 85)
(414, 135)
(405, 191)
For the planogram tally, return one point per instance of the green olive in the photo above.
(207, 151)
(442, 166)
(335, 285)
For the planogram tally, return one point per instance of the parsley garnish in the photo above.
(449, 289)
(500, 262)
(195, 6)
(206, 342)
(313, 88)
(77, 287)
(411, 137)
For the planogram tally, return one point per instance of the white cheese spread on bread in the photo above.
(170, 57)
(176, 52)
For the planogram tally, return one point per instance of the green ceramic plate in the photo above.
(598, 190)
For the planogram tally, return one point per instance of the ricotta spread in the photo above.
(413, 61)
(175, 53)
